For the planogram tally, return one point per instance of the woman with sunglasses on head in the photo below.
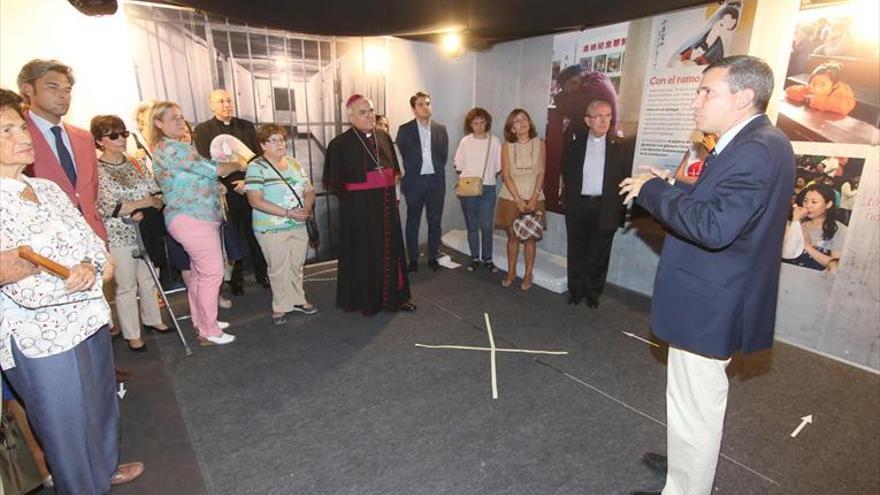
(123, 193)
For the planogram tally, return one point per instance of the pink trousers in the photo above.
(201, 241)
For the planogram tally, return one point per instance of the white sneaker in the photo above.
(222, 339)
(224, 303)
(223, 324)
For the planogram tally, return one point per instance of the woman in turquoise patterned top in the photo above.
(192, 213)
(282, 199)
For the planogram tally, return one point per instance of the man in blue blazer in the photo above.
(424, 146)
(717, 279)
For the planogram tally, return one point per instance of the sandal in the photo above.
(526, 283)
(490, 266)
(507, 281)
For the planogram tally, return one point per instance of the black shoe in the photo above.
(656, 462)
(472, 267)
(264, 281)
(408, 307)
(413, 266)
(142, 348)
(490, 266)
(592, 301)
(573, 299)
(434, 265)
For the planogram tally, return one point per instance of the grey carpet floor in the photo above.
(338, 403)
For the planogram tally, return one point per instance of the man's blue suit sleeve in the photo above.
(714, 221)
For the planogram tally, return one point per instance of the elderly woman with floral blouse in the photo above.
(54, 332)
(192, 213)
(125, 192)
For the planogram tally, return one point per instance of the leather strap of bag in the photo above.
(486, 160)
(267, 162)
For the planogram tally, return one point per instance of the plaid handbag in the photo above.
(529, 226)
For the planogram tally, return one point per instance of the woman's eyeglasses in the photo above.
(115, 135)
(276, 140)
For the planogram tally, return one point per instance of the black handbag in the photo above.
(311, 223)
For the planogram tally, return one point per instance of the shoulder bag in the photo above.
(468, 187)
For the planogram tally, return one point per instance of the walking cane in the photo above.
(140, 253)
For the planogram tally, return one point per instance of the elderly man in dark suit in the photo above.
(224, 121)
(592, 167)
(717, 280)
(424, 146)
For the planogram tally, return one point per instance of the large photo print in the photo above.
(832, 84)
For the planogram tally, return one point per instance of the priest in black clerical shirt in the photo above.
(224, 122)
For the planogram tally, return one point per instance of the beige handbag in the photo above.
(469, 187)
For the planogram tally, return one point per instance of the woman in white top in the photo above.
(54, 333)
(479, 155)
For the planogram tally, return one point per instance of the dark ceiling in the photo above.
(485, 21)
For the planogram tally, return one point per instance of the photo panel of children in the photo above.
(713, 41)
(832, 85)
(821, 206)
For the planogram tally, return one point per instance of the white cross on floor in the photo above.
(492, 350)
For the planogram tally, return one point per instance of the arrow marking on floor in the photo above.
(121, 392)
(806, 419)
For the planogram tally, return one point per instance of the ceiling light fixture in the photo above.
(453, 45)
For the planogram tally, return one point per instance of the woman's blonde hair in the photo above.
(152, 133)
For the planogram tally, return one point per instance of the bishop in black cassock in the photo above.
(361, 168)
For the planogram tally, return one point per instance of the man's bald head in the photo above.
(222, 105)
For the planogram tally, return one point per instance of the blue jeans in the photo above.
(479, 215)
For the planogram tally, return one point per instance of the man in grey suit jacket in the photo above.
(717, 279)
(424, 146)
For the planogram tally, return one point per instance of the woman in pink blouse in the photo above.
(54, 333)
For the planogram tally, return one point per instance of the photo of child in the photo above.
(614, 61)
(831, 85)
(825, 91)
(599, 62)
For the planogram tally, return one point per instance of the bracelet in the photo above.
(89, 261)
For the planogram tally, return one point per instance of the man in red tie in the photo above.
(63, 153)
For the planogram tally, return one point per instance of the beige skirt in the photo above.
(506, 212)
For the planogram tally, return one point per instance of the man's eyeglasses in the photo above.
(115, 135)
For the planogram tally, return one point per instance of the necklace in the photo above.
(111, 163)
(370, 152)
